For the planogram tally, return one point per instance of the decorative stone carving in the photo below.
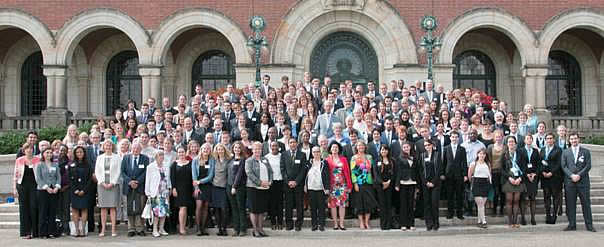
(330, 4)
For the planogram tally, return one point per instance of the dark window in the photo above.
(123, 81)
(213, 69)
(33, 86)
(474, 69)
(563, 85)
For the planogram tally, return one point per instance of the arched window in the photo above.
(213, 69)
(33, 86)
(563, 85)
(123, 81)
(474, 69)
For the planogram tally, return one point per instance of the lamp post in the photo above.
(257, 41)
(429, 43)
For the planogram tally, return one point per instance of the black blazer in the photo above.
(551, 164)
(350, 150)
(293, 169)
(406, 170)
(507, 166)
(455, 167)
(325, 176)
(254, 120)
(194, 136)
(581, 167)
(372, 150)
(533, 163)
(138, 173)
(388, 172)
(430, 171)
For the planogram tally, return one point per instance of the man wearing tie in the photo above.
(388, 136)
(92, 152)
(576, 163)
(189, 133)
(134, 168)
(551, 178)
(456, 167)
(326, 120)
(293, 170)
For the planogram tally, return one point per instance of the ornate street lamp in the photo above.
(429, 43)
(257, 41)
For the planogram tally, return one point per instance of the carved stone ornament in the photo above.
(358, 4)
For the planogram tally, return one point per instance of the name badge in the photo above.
(254, 119)
(394, 140)
(206, 166)
(53, 169)
(66, 166)
(529, 165)
(379, 163)
(72, 165)
(235, 162)
(297, 161)
(79, 180)
(314, 134)
(141, 166)
(279, 149)
(507, 132)
(427, 159)
(414, 135)
(265, 162)
(544, 163)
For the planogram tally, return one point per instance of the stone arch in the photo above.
(77, 77)
(99, 61)
(33, 26)
(309, 21)
(184, 20)
(516, 29)
(589, 70)
(575, 18)
(497, 54)
(13, 61)
(84, 23)
(196, 47)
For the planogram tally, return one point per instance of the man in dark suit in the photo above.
(293, 170)
(253, 117)
(430, 94)
(576, 163)
(32, 139)
(551, 177)
(189, 133)
(389, 136)
(134, 167)
(230, 94)
(92, 152)
(456, 168)
(227, 115)
(265, 87)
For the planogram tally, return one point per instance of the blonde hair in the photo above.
(227, 154)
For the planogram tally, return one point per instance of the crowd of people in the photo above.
(393, 152)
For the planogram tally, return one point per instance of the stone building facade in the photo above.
(88, 57)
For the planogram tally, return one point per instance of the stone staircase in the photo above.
(9, 213)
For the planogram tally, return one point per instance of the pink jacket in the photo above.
(20, 164)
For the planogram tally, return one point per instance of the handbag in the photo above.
(147, 212)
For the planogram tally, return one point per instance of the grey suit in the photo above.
(581, 188)
(324, 125)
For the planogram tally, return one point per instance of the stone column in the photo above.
(151, 75)
(4, 122)
(56, 113)
(517, 94)
(84, 97)
(600, 87)
(534, 78)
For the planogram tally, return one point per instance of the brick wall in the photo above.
(150, 13)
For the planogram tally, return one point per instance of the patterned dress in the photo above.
(340, 183)
(361, 175)
(160, 204)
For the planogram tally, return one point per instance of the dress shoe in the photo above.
(449, 216)
(289, 227)
(273, 227)
(460, 217)
(342, 228)
(256, 235)
(263, 234)
(298, 228)
(570, 228)
(533, 222)
(131, 234)
(590, 229)
(321, 228)
(142, 233)
(314, 228)
(429, 228)
(523, 221)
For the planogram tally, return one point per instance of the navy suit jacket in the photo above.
(581, 167)
(138, 173)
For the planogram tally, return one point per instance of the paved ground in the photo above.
(452, 237)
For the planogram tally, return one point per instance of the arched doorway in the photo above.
(563, 85)
(33, 86)
(474, 69)
(345, 56)
(123, 81)
(213, 69)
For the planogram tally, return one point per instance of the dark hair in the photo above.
(389, 157)
(335, 143)
(75, 157)
(42, 154)
(32, 132)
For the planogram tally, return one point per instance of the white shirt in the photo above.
(275, 162)
(263, 130)
(315, 181)
(575, 152)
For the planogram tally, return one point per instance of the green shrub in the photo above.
(596, 140)
(11, 141)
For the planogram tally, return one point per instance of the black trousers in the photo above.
(91, 208)
(455, 187)
(499, 196)
(572, 190)
(407, 199)
(28, 210)
(385, 200)
(64, 209)
(419, 203)
(238, 202)
(275, 211)
(294, 198)
(552, 194)
(47, 213)
(317, 207)
(431, 200)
